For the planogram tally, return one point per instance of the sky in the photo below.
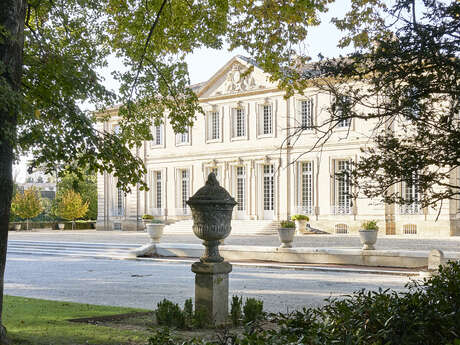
(203, 63)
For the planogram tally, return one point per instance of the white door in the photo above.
(268, 191)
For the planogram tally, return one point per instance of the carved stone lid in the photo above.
(211, 193)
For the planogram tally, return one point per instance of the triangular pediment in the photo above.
(233, 79)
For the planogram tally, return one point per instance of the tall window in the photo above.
(157, 185)
(241, 188)
(119, 205)
(185, 187)
(306, 187)
(342, 108)
(157, 135)
(239, 123)
(268, 187)
(306, 111)
(410, 194)
(183, 138)
(267, 120)
(342, 188)
(213, 126)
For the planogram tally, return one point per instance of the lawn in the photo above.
(32, 321)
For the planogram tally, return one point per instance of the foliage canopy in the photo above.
(71, 206)
(27, 205)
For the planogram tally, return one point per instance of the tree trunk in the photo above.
(12, 17)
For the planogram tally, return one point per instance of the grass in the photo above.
(32, 321)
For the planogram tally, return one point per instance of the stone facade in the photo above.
(245, 137)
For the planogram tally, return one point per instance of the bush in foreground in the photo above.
(428, 313)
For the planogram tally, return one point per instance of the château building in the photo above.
(246, 139)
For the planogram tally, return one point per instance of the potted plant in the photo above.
(17, 226)
(368, 234)
(147, 218)
(61, 226)
(155, 229)
(286, 233)
(300, 222)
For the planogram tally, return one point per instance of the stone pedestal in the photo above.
(211, 290)
(435, 258)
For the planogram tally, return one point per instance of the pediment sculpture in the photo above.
(237, 81)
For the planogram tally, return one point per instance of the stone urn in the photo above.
(212, 208)
(17, 226)
(61, 226)
(286, 236)
(368, 238)
(301, 226)
(155, 231)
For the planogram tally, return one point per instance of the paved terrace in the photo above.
(393, 242)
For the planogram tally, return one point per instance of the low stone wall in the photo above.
(375, 258)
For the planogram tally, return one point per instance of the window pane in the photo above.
(158, 201)
(342, 187)
(240, 188)
(343, 105)
(268, 187)
(411, 195)
(307, 113)
(214, 126)
(185, 187)
(240, 130)
(267, 119)
(158, 135)
(119, 209)
(307, 187)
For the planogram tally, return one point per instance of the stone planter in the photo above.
(17, 226)
(301, 226)
(61, 226)
(286, 236)
(155, 231)
(368, 238)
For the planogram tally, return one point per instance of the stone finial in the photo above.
(435, 258)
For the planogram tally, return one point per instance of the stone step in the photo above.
(95, 250)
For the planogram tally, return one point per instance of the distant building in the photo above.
(47, 190)
(239, 138)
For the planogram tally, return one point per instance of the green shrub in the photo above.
(169, 314)
(188, 310)
(300, 217)
(253, 310)
(200, 319)
(147, 217)
(426, 314)
(235, 310)
(369, 225)
(287, 224)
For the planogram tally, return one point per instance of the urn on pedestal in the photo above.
(212, 208)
